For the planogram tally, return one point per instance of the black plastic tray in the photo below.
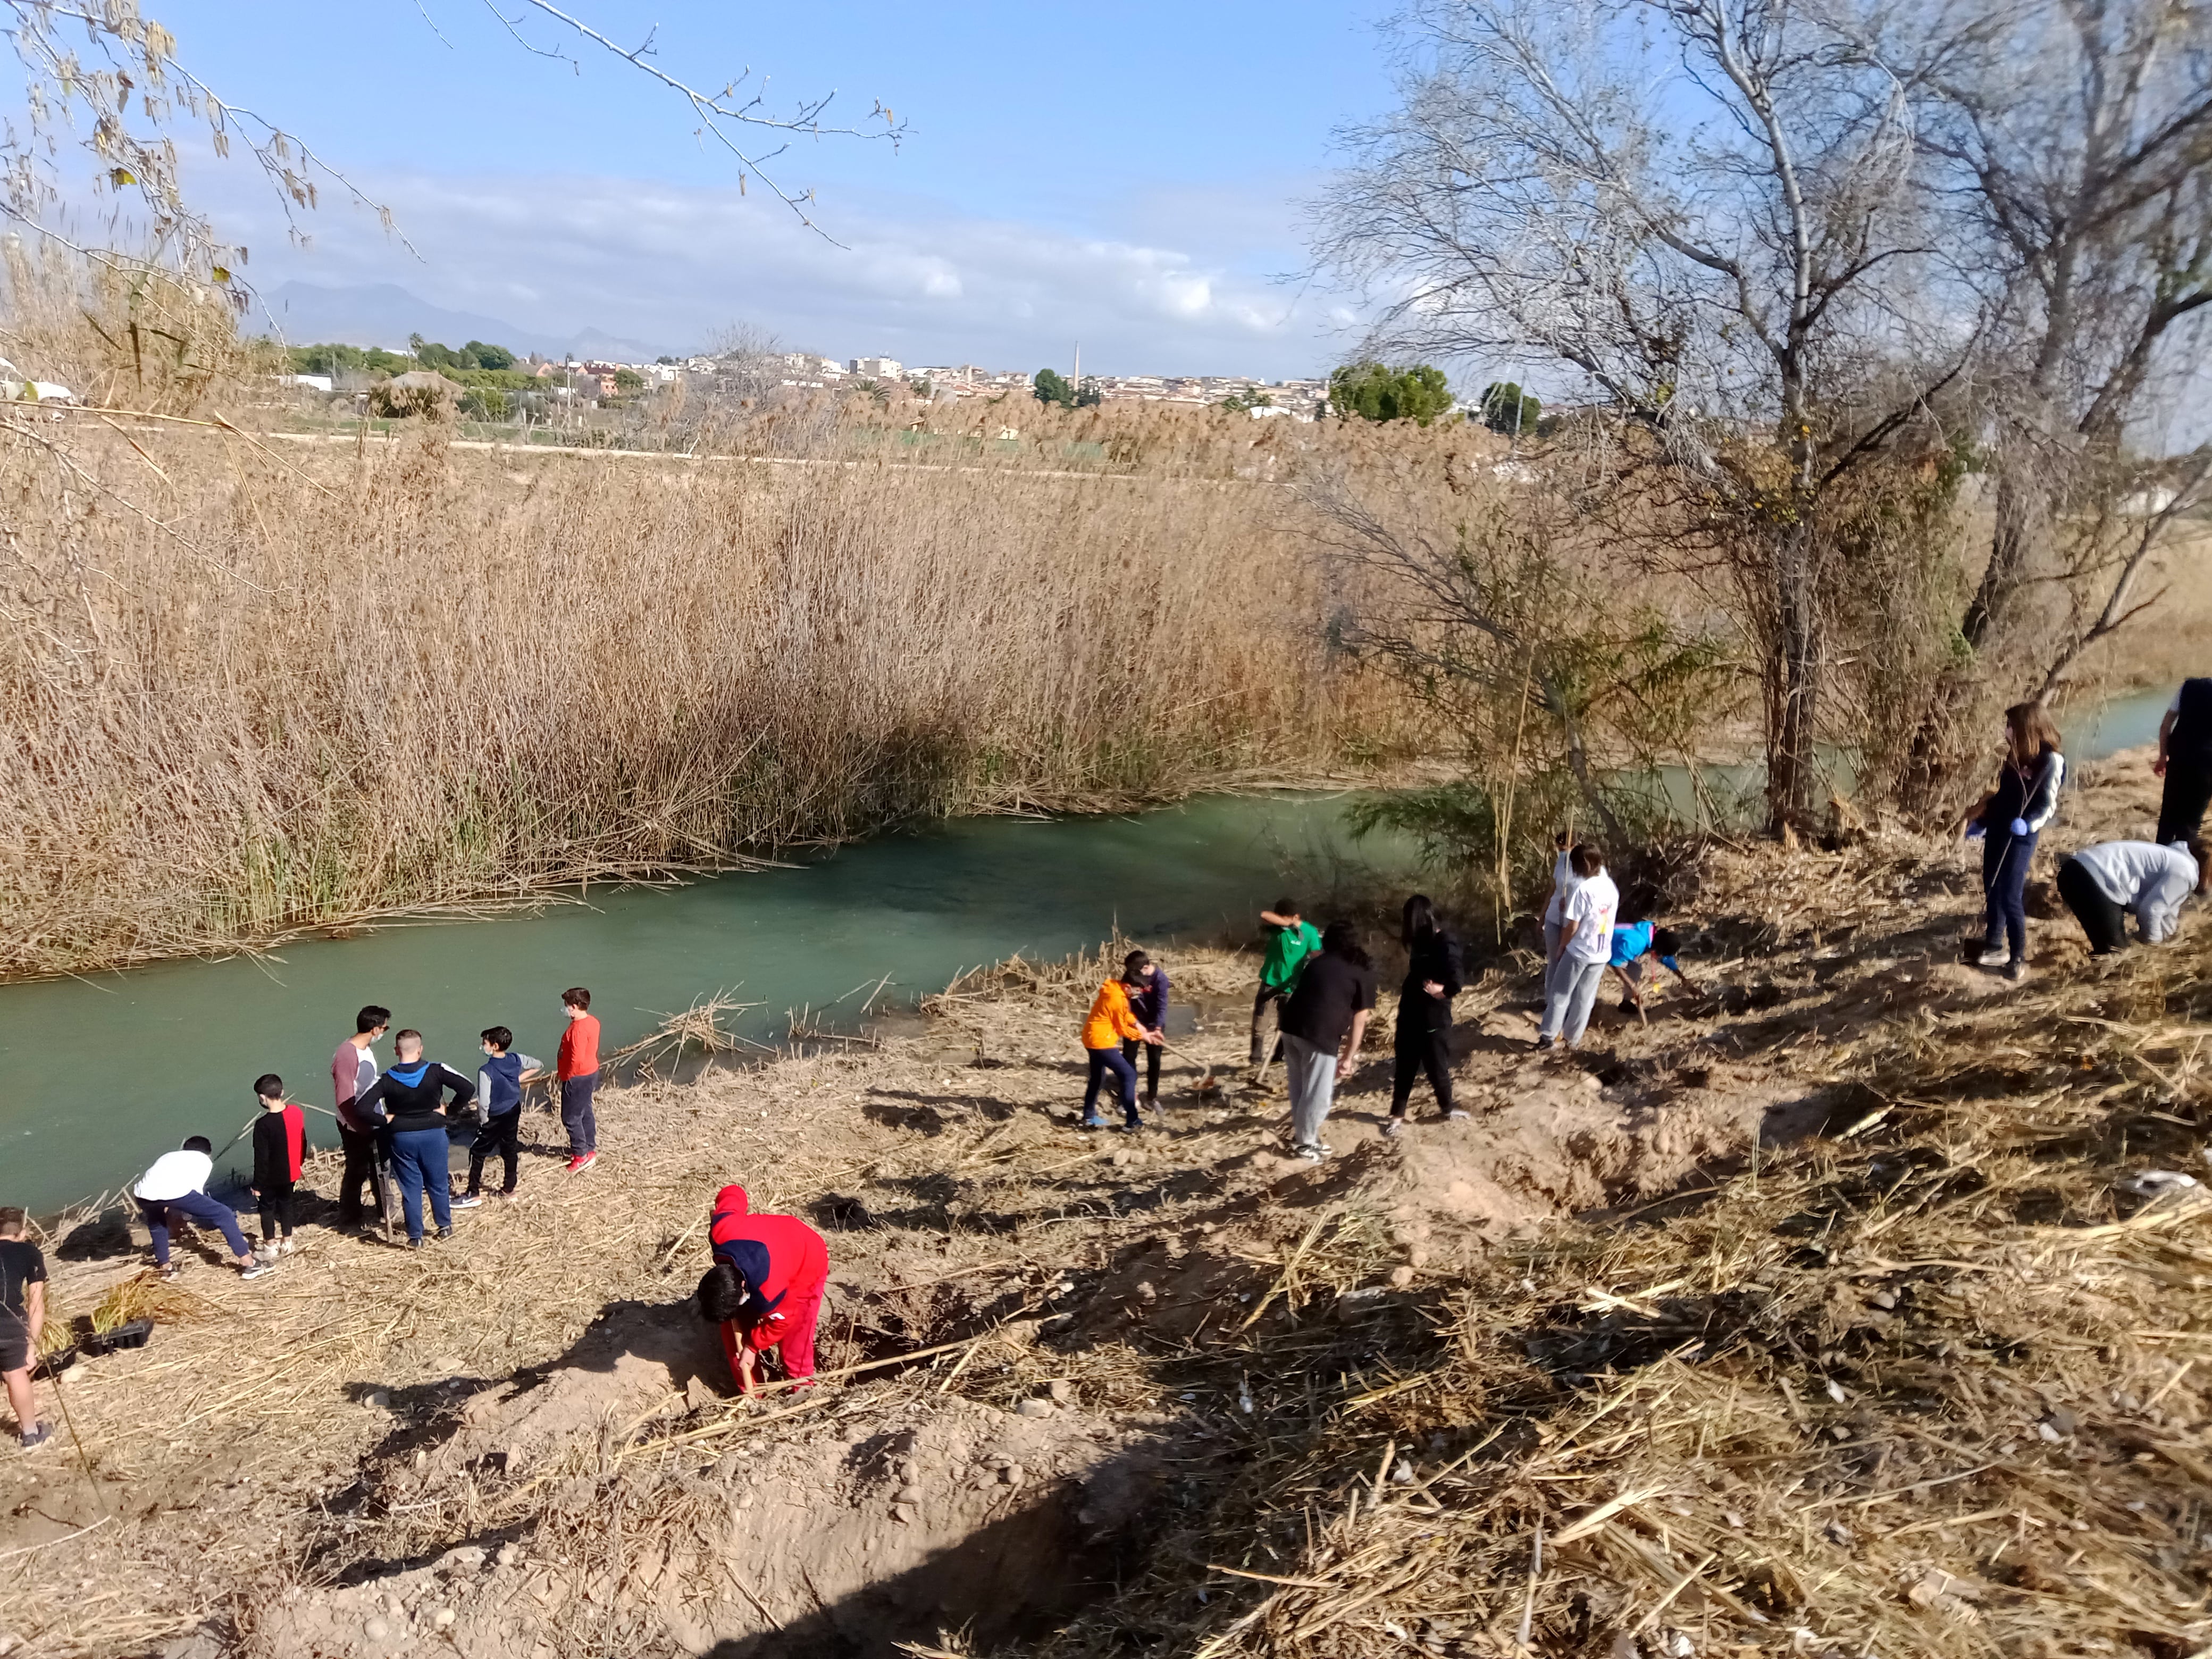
(133, 1335)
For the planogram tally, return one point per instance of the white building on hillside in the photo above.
(878, 369)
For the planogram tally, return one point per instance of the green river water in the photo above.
(98, 1075)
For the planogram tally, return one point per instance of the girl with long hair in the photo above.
(2008, 820)
(1423, 1043)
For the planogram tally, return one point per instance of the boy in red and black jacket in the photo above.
(765, 1287)
(280, 1147)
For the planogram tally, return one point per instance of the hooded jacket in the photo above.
(781, 1258)
(410, 1096)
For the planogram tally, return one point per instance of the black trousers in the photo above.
(1268, 997)
(503, 1135)
(1418, 1052)
(361, 1156)
(276, 1214)
(2104, 921)
(1129, 1047)
(2181, 806)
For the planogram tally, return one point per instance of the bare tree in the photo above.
(1703, 211)
(2074, 154)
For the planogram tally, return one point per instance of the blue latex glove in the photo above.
(1976, 830)
(2020, 826)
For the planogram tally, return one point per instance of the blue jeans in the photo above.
(2005, 860)
(419, 1165)
(194, 1206)
(1104, 1060)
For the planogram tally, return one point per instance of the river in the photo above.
(100, 1073)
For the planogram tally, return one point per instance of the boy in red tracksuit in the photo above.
(765, 1287)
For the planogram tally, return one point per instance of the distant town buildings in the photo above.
(755, 375)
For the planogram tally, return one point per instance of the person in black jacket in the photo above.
(410, 1099)
(2185, 761)
(2011, 817)
(280, 1146)
(1425, 1012)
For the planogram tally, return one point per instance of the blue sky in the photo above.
(1127, 176)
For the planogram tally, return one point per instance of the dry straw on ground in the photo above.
(1929, 1380)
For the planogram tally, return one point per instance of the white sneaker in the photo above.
(287, 1247)
(256, 1268)
(467, 1203)
(1309, 1154)
(1995, 957)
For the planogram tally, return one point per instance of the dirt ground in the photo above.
(1059, 1363)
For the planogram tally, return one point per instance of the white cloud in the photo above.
(669, 265)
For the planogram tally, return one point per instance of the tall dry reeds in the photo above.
(249, 691)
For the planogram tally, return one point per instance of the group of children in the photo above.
(1320, 984)
(2103, 883)
(395, 1129)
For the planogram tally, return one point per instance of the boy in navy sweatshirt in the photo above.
(498, 1111)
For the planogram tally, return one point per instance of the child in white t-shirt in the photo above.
(1585, 945)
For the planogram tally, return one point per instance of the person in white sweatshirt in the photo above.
(2105, 883)
(176, 1185)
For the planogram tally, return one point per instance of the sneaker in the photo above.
(1090, 1123)
(582, 1162)
(1543, 1043)
(1994, 956)
(38, 1437)
(287, 1247)
(1309, 1154)
(254, 1269)
(445, 1233)
(1151, 1103)
(1133, 1126)
(167, 1275)
(467, 1204)
(1393, 1126)
(1455, 1115)
(414, 1244)
(2015, 971)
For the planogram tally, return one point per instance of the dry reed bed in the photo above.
(329, 686)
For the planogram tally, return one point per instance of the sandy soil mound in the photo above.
(809, 1538)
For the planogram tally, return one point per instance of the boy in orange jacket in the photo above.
(1112, 1022)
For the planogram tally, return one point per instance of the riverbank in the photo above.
(1814, 1314)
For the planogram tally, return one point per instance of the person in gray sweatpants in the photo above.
(1323, 1024)
(1586, 917)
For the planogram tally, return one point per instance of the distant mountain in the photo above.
(384, 315)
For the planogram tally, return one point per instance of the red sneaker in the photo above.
(578, 1165)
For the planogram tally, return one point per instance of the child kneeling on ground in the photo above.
(2105, 883)
(764, 1288)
